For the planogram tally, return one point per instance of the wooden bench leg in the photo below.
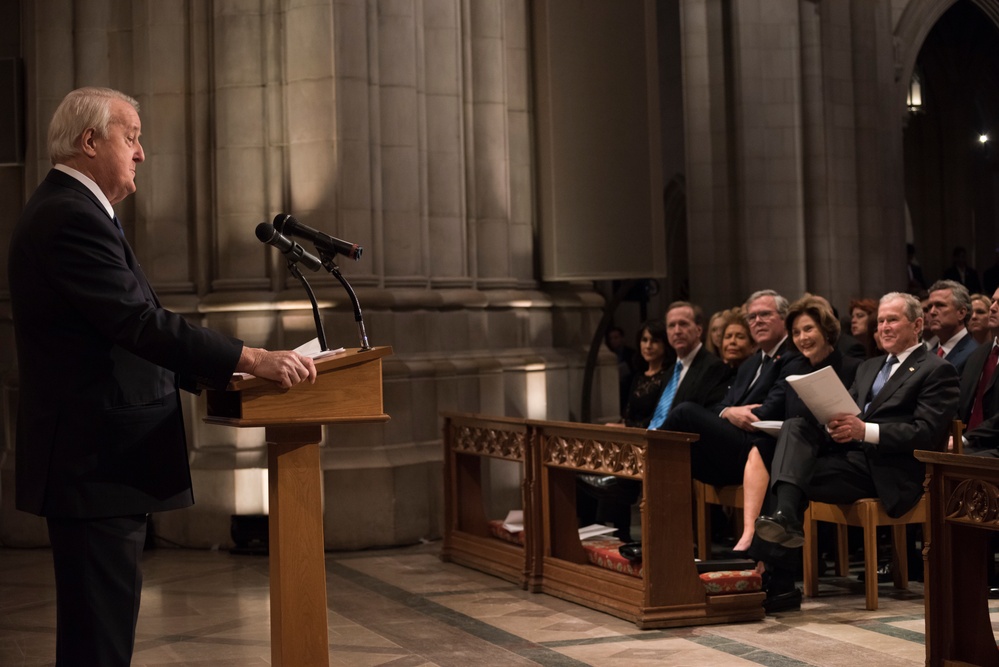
(810, 556)
(871, 557)
(842, 550)
(900, 557)
(703, 519)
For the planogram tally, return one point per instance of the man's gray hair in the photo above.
(959, 296)
(782, 303)
(80, 110)
(913, 308)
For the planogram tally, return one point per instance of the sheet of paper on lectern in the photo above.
(314, 349)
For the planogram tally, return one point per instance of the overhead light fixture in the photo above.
(983, 138)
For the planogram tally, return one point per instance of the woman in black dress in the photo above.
(643, 396)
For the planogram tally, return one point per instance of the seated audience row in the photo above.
(868, 454)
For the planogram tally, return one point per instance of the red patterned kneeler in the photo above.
(497, 530)
(604, 553)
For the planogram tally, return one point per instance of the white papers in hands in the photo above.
(824, 394)
(314, 349)
(514, 521)
(595, 530)
(769, 427)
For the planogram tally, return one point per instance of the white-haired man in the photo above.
(100, 435)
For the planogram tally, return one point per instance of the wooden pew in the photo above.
(670, 592)
(468, 439)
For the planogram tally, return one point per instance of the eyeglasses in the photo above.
(760, 315)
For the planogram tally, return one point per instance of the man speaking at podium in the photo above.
(100, 433)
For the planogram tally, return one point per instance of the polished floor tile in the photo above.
(405, 608)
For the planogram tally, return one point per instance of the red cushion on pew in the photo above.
(604, 553)
(732, 581)
(497, 530)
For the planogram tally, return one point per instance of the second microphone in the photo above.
(294, 252)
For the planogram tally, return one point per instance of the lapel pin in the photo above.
(911, 369)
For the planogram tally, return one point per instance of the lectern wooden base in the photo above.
(348, 389)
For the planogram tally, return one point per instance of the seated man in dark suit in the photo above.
(726, 430)
(979, 406)
(697, 376)
(946, 319)
(908, 399)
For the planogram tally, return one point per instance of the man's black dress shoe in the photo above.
(632, 551)
(782, 594)
(780, 529)
(788, 601)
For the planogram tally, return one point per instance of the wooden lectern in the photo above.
(348, 389)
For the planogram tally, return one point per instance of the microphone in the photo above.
(288, 248)
(286, 224)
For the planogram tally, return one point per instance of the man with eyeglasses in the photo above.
(726, 429)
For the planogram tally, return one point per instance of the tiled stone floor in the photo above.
(405, 608)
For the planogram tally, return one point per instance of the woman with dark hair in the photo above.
(864, 324)
(643, 395)
(814, 331)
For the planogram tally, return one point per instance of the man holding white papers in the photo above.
(908, 399)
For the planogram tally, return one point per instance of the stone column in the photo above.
(714, 273)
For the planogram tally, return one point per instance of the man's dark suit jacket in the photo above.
(744, 391)
(914, 410)
(99, 431)
(985, 435)
(958, 356)
(706, 380)
(720, 455)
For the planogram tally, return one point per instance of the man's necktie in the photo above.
(666, 400)
(118, 225)
(940, 351)
(879, 381)
(977, 411)
(764, 362)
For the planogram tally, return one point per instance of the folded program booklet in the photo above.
(824, 394)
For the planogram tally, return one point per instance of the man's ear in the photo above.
(88, 142)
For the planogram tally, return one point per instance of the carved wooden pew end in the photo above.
(470, 539)
(670, 592)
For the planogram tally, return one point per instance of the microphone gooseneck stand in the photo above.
(328, 263)
(320, 332)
